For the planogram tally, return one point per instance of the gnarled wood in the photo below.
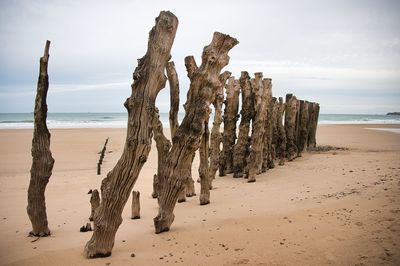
(163, 145)
(268, 152)
(247, 113)
(204, 82)
(290, 126)
(230, 119)
(203, 167)
(174, 97)
(149, 79)
(216, 137)
(135, 210)
(260, 89)
(302, 134)
(280, 134)
(94, 203)
(312, 143)
(42, 160)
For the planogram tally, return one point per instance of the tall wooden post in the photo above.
(42, 160)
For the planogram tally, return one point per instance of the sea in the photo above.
(119, 120)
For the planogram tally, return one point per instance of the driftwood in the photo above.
(247, 113)
(94, 203)
(204, 82)
(230, 119)
(42, 160)
(135, 214)
(149, 79)
(260, 89)
(290, 126)
(216, 137)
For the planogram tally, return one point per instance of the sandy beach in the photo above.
(340, 207)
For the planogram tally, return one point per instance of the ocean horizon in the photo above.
(119, 120)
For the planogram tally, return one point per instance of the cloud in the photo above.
(311, 48)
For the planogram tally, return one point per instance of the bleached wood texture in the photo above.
(230, 119)
(42, 160)
(204, 82)
(149, 79)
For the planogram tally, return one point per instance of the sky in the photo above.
(344, 54)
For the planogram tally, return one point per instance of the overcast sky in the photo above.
(343, 54)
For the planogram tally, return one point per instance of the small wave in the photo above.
(106, 117)
(16, 121)
(363, 121)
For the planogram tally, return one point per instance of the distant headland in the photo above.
(393, 113)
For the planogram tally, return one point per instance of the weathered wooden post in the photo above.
(94, 203)
(260, 88)
(274, 127)
(290, 126)
(204, 81)
(230, 119)
(312, 126)
(268, 160)
(135, 210)
(303, 128)
(247, 113)
(116, 188)
(163, 145)
(281, 134)
(174, 97)
(42, 160)
(203, 167)
(216, 137)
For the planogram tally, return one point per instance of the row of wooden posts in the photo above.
(250, 155)
(269, 131)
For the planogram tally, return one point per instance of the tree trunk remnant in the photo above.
(204, 82)
(260, 89)
(302, 137)
(94, 203)
(274, 129)
(281, 133)
(149, 79)
(174, 97)
(216, 136)
(267, 162)
(247, 113)
(135, 214)
(290, 126)
(163, 145)
(311, 110)
(189, 187)
(312, 142)
(42, 160)
(230, 119)
(203, 167)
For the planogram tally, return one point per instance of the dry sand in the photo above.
(336, 207)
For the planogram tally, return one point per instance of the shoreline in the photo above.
(335, 207)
